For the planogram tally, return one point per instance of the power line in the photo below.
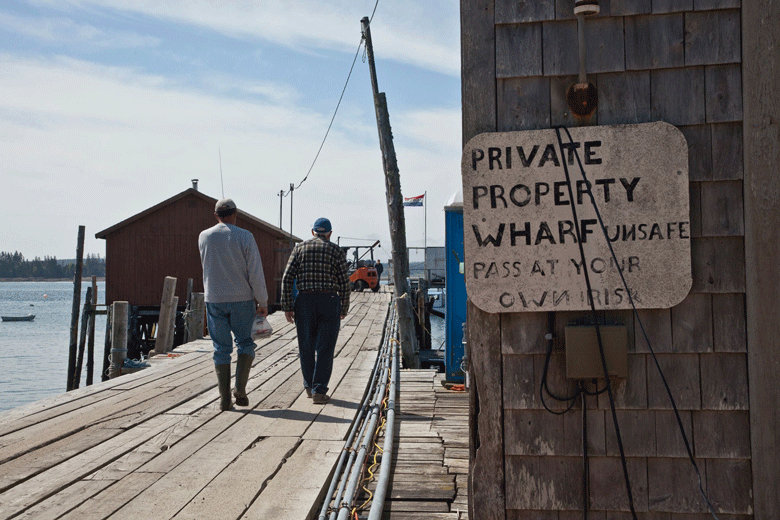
(351, 68)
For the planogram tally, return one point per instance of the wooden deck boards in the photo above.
(430, 459)
(154, 445)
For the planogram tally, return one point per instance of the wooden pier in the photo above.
(154, 445)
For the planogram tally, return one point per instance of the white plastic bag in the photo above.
(261, 328)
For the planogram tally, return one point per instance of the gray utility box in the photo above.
(583, 360)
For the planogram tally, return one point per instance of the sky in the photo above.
(108, 107)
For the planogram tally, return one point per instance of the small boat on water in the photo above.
(29, 317)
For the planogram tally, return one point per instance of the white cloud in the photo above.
(402, 30)
(65, 30)
(89, 144)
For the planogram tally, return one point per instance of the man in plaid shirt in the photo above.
(318, 269)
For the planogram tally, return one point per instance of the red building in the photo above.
(163, 241)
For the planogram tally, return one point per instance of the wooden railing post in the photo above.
(118, 338)
(195, 316)
(165, 325)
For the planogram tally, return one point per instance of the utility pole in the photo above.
(292, 187)
(281, 196)
(395, 213)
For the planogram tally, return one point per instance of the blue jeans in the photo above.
(317, 321)
(224, 318)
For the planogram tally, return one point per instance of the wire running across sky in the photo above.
(341, 97)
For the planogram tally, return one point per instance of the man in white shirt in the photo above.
(235, 291)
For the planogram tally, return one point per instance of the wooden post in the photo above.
(107, 344)
(195, 316)
(91, 339)
(118, 339)
(74, 317)
(82, 339)
(164, 340)
(187, 305)
(487, 481)
(761, 105)
(395, 213)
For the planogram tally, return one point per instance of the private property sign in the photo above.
(522, 241)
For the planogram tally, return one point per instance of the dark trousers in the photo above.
(317, 320)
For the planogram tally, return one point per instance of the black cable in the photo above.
(598, 328)
(642, 328)
(543, 387)
(585, 463)
(354, 60)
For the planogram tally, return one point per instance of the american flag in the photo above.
(414, 201)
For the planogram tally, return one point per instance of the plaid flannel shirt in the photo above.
(316, 265)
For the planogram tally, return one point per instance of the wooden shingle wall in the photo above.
(678, 61)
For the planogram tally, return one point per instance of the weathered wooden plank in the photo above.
(692, 324)
(519, 50)
(533, 432)
(227, 496)
(668, 105)
(608, 489)
(682, 374)
(279, 499)
(39, 487)
(760, 41)
(699, 139)
(724, 381)
(511, 11)
(703, 5)
(671, 6)
(629, 7)
(53, 507)
(654, 42)
(669, 439)
(723, 93)
(728, 316)
(478, 70)
(557, 36)
(733, 480)
(104, 504)
(629, 393)
(722, 208)
(637, 431)
(524, 103)
(543, 483)
(712, 37)
(727, 163)
(722, 434)
(718, 264)
(672, 485)
(486, 478)
(523, 333)
(657, 325)
(521, 386)
(624, 98)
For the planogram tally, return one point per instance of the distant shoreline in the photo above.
(87, 279)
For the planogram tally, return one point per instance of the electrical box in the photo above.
(583, 360)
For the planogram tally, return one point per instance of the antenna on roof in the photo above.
(221, 180)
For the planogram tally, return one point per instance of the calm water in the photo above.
(34, 355)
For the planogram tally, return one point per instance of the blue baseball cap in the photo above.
(321, 225)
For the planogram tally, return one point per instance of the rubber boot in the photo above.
(243, 366)
(223, 377)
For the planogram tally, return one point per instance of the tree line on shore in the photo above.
(14, 265)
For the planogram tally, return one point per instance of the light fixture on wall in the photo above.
(582, 96)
